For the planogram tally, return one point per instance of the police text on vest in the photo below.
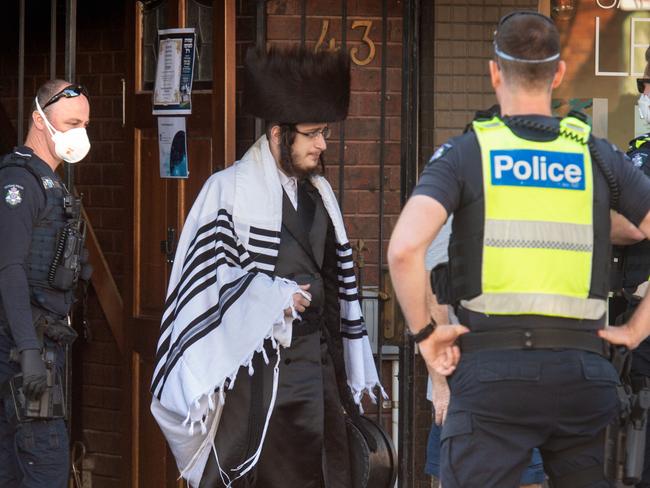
(527, 167)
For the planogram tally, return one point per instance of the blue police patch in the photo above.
(638, 159)
(544, 169)
(47, 182)
(13, 195)
(440, 152)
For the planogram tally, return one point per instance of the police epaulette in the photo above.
(583, 117)
(639, 141)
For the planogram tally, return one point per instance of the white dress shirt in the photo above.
(290, 185)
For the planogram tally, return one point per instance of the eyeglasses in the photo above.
(325, 132)
(70, 91)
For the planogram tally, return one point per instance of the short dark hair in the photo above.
(527, 36)
(46, 91)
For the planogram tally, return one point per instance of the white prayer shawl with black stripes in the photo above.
(223, 303)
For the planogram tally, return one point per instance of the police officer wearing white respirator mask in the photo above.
(42, 261)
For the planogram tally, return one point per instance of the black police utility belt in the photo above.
(530, 339)
(56, 253)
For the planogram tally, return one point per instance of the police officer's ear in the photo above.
(37, 120)
(559, 74)
(496, 76)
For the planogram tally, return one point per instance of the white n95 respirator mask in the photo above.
(644, 107)
(72, 145)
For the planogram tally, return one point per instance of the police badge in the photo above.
(638, 160)
(13, 196)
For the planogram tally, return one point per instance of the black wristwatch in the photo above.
(424, 333)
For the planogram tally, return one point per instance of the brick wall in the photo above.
(101, 64)
(454, 83)
(246, 11)
(463, 33)
(100, 177)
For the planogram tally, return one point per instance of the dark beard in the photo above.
(290, 169)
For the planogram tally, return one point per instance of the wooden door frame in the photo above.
(222, 119)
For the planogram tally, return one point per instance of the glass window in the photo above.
(199, 16)
(153, 18)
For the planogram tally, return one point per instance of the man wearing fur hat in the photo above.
(263, 292)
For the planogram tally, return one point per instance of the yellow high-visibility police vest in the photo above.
(538, 238)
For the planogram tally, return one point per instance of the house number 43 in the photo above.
(330, 45)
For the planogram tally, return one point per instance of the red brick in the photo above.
(362, 128)
(100, 397)
(98, 326)
(101, 63)
(107, 482)
(365, 79)
(115, 262)
(106, 464)
(112, 85)
(112, 40)
(102, 375)
(283, 28)
(82, 62)
(282, 7)
(112, 131)
(119, 62)
(100, 107)
(395, 30)
(394, 80)
(101, 420)
(112, 218)
(362, 178)
(89, 174)
(99, 352)
(362, 226)
(113, 174)
(36, 65)
(91, 82)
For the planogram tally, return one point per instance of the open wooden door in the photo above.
(159, 206)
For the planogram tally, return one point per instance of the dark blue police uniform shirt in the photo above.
(454, 177)
(22, 201)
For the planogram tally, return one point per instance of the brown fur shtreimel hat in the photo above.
(296, 85)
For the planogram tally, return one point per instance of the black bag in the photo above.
(371, 469)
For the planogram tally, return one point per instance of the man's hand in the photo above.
(440, 351)
(300, 302)
(34, 374)
(440, 394)
(623, 335)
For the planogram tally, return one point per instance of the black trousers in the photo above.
(505, 403)
(306, 441)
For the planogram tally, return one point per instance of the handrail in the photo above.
(107, 292)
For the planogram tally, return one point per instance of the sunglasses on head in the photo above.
(70, 91)
(516, 13)
(509, 57)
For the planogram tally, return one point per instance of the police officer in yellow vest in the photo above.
(528, 273)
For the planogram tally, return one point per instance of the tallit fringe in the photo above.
(368, 390)
(199, 414)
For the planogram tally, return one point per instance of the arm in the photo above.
(419, 222)
(18, 211)
(637, 328)
(624, 232)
